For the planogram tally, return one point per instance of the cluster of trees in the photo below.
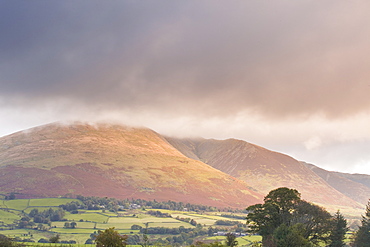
(159, 214)
(72, 207)
(171, 205)
(112, 238)
(9, 242)
(43, 217)
(70, 225)
(229, 223)
(362, 236)
(47, 216)
(284, 219)
(10, 196)
(171, 231)
(112, 204)
(180, 235)
(188, 220)
(233, 216)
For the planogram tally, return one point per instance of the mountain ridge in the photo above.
(112, 160)
(123, 162)
(352, 185)
(263, 169)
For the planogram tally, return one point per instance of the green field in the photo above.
(8, 217)
(49, 202)
(20, 204)
(87, 216)
(79, 224)
(90, 221)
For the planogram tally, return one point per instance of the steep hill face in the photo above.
(112, 161)
(359, 178)
(263, 169)
(355, 186)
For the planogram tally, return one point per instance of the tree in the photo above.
(73, 224)
(277, 209)
(136, 227)
(362, 236)
(11, 196)
(89, 241)
(284, 217)
(6, 242)
(316, 221)
(338, 231)
(292, 236)
(284, 198)
(231, 240)
(54, 239)
(145, 237)
(110, 238)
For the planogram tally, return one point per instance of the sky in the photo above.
(291, 76)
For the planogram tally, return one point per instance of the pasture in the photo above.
(20, 204)
(91, 221)
(49, 202)
(8, 216)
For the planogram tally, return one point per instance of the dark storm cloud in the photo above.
(279, 59)
(59, 47)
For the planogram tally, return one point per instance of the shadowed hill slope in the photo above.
(263, 169)
(112, 161)
(359, 178)
(355, 186)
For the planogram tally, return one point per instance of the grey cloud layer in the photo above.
(279, 59)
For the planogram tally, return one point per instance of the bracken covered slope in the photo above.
(355, 186)
(112, 161)
(263, 169)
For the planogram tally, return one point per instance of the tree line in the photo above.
(40, 218)
(284, 219)
(94, 203)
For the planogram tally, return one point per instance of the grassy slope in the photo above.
(265, 170)
(112, 161)
(348, 184)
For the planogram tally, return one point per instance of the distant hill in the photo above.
(264, 170)
(126, 162)
(112, 161)
(355, 186)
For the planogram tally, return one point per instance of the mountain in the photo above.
(112, 161)
(263, 169)
(355, 186)
(126, 162)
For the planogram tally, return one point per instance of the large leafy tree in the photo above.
(110, 238)
(362, 237)
(290, 236)
(284, 218)
(277, 209)
(315, 220)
